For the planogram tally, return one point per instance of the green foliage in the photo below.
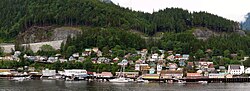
(246, 63)
(104, 39)
(46, 50)
(18, 15)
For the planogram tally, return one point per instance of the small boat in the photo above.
(18, 79)
(140, 80)
(203, 82)
(21, 78)
(119, 80)
(181, 82)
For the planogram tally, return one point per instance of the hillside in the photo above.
(17, 16)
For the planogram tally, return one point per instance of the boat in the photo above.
(21, 78)
(18, 78)
(203, 82)
(140, 80)
(121, 78)
(181, 82)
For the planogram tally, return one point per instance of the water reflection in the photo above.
(52, 85)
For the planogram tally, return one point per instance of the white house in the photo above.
(235, 69)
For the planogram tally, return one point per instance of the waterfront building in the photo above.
(235, 69)
(48, 72)
(104, 75)
(75, 72)
(171, 74)
(128, 74)
(151, 76)
(194, 75)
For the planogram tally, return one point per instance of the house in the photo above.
(124, 62)
(116, 59)
(235, 69)
(154, 57)
(104, 75)
(52, 59)
(177, 56)
(81, 59)
(205, 66)
(171, 74)
(103, 60)
(193, 75)
(95, 49)
(247, 70)
(190, 65)
(172, 66)
(76, 55)
(87, 52)
(71, 58)
(48, 72)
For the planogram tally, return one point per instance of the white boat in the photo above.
(140, 80)
(21, 78)
(119, 80)
(181, 82)
(18, 78)
(203, 82)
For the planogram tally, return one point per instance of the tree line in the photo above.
(18, 15)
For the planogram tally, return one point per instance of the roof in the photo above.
(234, 66)
(193, 74)
(171, 72)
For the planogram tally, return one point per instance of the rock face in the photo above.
(203, 34)
(43, 34)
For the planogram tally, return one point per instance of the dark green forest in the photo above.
(110, 24)
(18, 15)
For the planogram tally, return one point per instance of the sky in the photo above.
(230, 9)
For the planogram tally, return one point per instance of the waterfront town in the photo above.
(156, 65)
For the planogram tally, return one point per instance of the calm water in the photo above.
(39, 85)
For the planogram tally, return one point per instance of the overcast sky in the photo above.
(231, 9)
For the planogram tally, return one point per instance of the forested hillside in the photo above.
(18, 15)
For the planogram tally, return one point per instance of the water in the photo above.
(51, 85)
